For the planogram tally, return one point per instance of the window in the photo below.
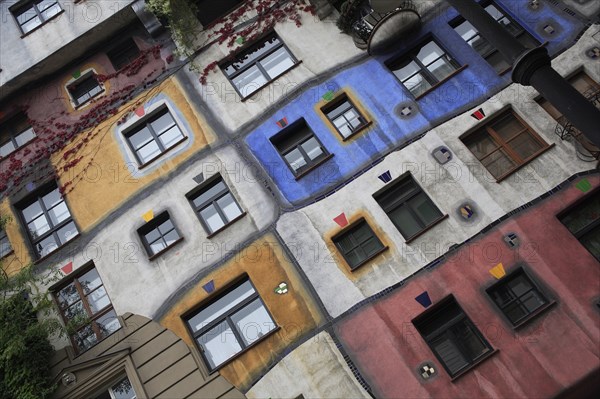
(583, 221)
(159, 234)
(452, 337)
(5, 247)
(258, 65)
(121, 390)
(344, 116)
(583, 83)
(86, 310)
(423, 67)
(209, 10)
(504, 144)
(483, 47)
(48, 220)
(35, 13)
(14, 134)
(154, 136)
(84, 89)
(299, 147)
(358, 244)
(123, 54)
(517, 296)
(230, 323)
(409, 208)
(215, 205)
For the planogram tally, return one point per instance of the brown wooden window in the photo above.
(504, 144)
(14, 134)
(358, 244)
(86, 310)
(584, 84)
(346, 118)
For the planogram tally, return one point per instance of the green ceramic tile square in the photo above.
(584, 185)
(328, 96)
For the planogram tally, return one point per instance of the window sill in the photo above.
(45, 22)
(475, 364)
(426, 229)
(84, 104)
(364, 262)
(534, 315)
(528, 160)
(358, 130)
(313, 167)
(162, 251)
(268, 82)
(43, 258)
(145, 165)
(214, 233)
(441, 82)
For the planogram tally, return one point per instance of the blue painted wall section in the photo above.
(380, 94)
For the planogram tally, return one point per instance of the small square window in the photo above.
(423, 67)
(5, 247)
(344, 116)
(214, 204)
(583, 220)
(153, 136)
(84, 89)
(48, 220)
(123, 54)
(358, 244)
(122, 389)
(504, 144)
(517, 296)
(14, 134)
(409, 208)
(159, 234)
(35, 13)
(299, 147)
(230, 323)
(452, 336)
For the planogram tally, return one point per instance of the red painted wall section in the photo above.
(551, 352)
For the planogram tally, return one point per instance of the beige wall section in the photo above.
(112, 179)
(156, 361)
(295, 312)
(20, 256)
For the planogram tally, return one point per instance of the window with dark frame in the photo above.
(214, 204)
(5, 247)
(123, 54)
(583, 221)
(299, 147)
(230, 323)
(123, 389)
(358, 244)
(47, 219)
(504, 144)
(14, 134)
(517, 296)
(258, 65)
(452, 336)
(483, 47)
(423, 67)
(209, 11)
(580, 81)
(87, 310)
(408, 207)
(159, 234)
(346, 118)
(35, 13)
(84, 89)
(153, 136)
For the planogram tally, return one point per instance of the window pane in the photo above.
(498, 163)
(38, 226)
(312, 148)
(525, 145)
(355, 258)
(67, 295)
(163, 123)
(277, 63)
(249, 81)
(157, 246)
(219, 344)
(52, 199)
(171, 237)
(583, 215)
(6, 149)
(515, 312)
(152, 236)
(32, 211)
(346, 243)
(25, 137)
(31, 24)
(229, 207)
(343, 127)
(482, 46)
(497, 61)
(466, 31)
(449, 354)
(246, 58)
(59, 213)
(209, 193)
(417, 84)
(405, 222)
(140, 138)
(123, 390)
(67, 233)
(372, 246)
(507, 127)
(148, 152)
(425, 209)
(108, 324)
(470, 340)
(591, 241)
(406, 71)
(98, 300)
(212, 218)
(441, 68)
(90, 280)
(253, 321)
(532, 301)
(295, 159)
(5, 247)
(171, 137)
(75, 310)
(85, 338)
(429, 53)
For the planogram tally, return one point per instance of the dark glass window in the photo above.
(159, 234)
(258, 65)
(86, 310)
(84, 89)
(153, 136)
(517, 296)
(14, 134)
(409, 208)
(48, 220)
(483, 47)
(299, 147)
(123, 54)
(120, 390)
(504, 144)
(583, 83)
(215, 205)
(583, 221)
(452, 336)
(358, 244)
(210, 10)
(232, 322)
(344, 116)
(34, 13)
(423, 67)
(5, 247)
